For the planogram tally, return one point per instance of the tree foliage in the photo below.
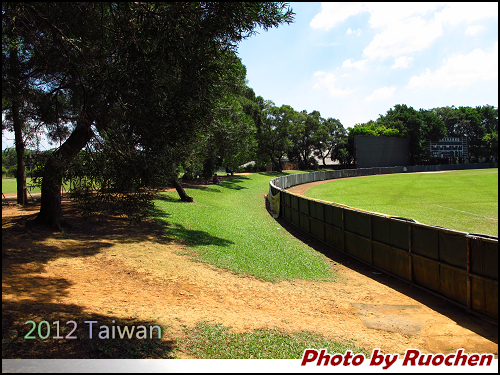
(143, 81)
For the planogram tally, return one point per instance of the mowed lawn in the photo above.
(461, 200)
(229, 227)
(9, 186)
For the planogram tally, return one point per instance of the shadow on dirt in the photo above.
(20, 341)
(29, 294)
(472, 322)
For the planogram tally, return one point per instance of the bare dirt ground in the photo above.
(124, 273)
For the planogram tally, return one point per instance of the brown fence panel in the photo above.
(453, 248)
(484, 257)
(425, 241)
(453, 284)
(296, 218)
(304, 223)
(304, 206)
(426, 273)
(318, 229)
(333, 215)
(391, 260)
(294, 202)
(357, 222)
(358, 247)
(485, 297)
(381, 229)
(399, 234)
(334, 237)
(317, 210)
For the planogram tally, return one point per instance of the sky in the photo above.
(355, 61)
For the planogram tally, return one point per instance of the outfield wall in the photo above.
(460, 266)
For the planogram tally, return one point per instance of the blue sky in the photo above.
(355, 61)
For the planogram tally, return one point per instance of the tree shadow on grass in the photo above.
(234, 183)
(187, 236)
(194, 237)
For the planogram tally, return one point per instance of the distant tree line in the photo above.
(479, 125)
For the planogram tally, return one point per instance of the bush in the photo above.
(12, 171)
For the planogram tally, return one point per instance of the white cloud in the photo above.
(381, 94)
(328, 80)
(454, 13)
(385, 14)
(403, 28)
(473, 30)
(333, 13)
(460, 70)
(361, 64)
(402, 62)
(401, 38)
(357, 32)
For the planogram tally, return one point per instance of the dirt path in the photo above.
(302, 188)
(123, 272)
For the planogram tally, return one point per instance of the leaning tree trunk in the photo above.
(50, 208)
(180, 190)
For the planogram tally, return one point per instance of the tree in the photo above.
(331, 135)
(274, 138)
(416, 125)
(305, 135)
(489, 115)
(141, 78)
(479, 125)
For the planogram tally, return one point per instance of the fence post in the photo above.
(469, 286)
(343, 231)
(410, 254)
(371, 239)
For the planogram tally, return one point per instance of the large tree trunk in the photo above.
(50, 209)
(22, 194)
(180, 190)
(15, 95)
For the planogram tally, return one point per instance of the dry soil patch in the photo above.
(121, 271)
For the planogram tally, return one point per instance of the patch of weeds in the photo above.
(214, 341)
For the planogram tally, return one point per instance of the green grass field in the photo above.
(9, 186)
(461, 200)
(229, 227)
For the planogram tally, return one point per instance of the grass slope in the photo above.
(460, 200)
(228, 227)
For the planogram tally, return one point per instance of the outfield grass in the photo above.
(228, 227)
(461, 200)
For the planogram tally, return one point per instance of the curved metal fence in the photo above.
(460, 266)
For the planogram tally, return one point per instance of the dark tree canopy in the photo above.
(138, 83)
